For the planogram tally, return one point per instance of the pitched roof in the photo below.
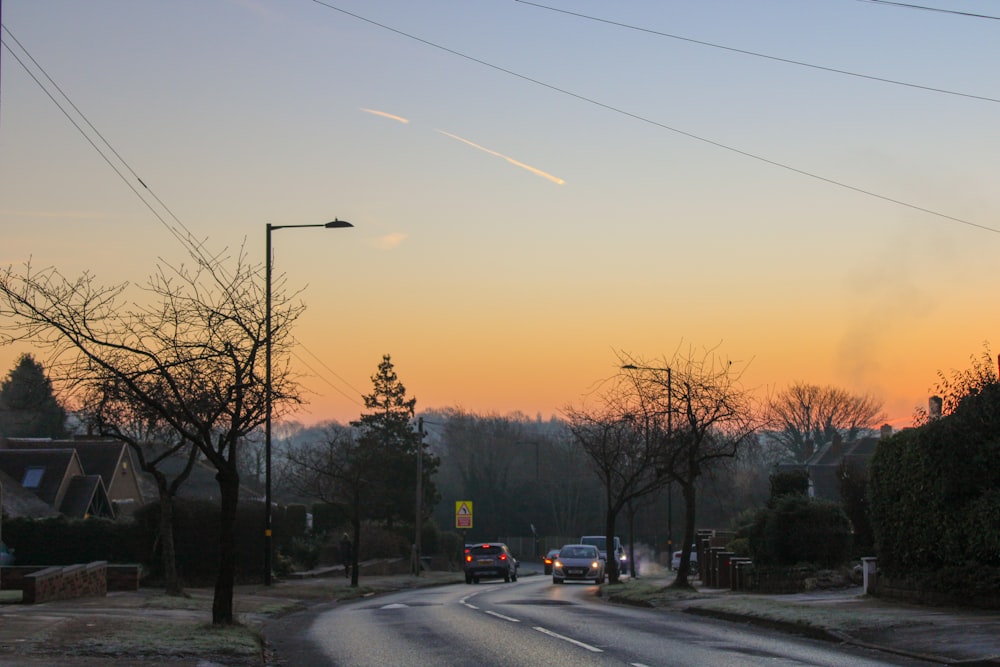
(19, 502)
(86, 496)
(104, 457)
(98, 457)
(49, 468)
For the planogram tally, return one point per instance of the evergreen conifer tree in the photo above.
(28, 406)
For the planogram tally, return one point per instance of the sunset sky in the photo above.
(811, 187)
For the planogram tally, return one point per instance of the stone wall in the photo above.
(120, 577)
(62, 583)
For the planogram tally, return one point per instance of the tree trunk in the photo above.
(222, 604)
(168, 552)
(689, 492)
(611, 560)
(356, 525)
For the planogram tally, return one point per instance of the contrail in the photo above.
(537, 172)
(383, 114)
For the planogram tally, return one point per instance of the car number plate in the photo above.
(576, 570)
(485, 561)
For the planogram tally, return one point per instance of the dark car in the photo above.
(489, 560)
(547, 561)
(578, 562)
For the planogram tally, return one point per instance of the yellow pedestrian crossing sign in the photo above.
(463, 514)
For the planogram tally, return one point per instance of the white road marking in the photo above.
(506, 618)
(593, 649)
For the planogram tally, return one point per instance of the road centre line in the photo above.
(506, 618)
(544, 631)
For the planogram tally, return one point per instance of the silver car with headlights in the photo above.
(578, 562)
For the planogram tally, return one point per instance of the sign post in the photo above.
(463, 514)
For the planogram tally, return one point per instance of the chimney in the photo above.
(934, 407)
(885, 431)
(837, 446)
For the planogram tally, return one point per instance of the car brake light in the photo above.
(468, 558)
(503, 556)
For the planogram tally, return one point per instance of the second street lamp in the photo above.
(335, 224)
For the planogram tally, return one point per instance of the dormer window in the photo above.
(33, 477)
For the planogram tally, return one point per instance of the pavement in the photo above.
(147, 628)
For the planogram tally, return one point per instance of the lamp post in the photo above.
(335, 224)
(670, 433)
(420, 497)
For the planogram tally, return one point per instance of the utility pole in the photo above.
(420, 494)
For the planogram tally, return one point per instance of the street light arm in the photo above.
(268, 393)
(333, 224)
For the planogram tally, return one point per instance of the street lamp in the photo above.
(335, 224)
(670, 433)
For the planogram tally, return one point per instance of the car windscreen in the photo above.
(598, 542)
(577, 552)
(487, 551)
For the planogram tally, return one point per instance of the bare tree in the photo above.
(193, 357)
(117, 414)
(809, 416)
(624, 436)
(519, 472)
(712, 418)
(339, 471)
(484, 451)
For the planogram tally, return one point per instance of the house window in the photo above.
(33, 477)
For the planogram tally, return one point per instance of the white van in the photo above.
(601, 543)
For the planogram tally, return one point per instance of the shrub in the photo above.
(934, 491)
(739, 547)
(63, 541)
(789, 482)
(798, 529)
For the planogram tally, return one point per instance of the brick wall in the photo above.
(62, 583)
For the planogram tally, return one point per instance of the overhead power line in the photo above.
(763, 55)
(119, 165)
(932, 9)
(635, 116)
(350, 397)
(78, 119)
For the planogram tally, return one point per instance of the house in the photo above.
(109, 476)
(76, 478)
(823, 465)
(19, 502)
(57, 478)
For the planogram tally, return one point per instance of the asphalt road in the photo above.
(532, 622)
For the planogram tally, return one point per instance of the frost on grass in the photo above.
(835, 618)
(142, 638)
